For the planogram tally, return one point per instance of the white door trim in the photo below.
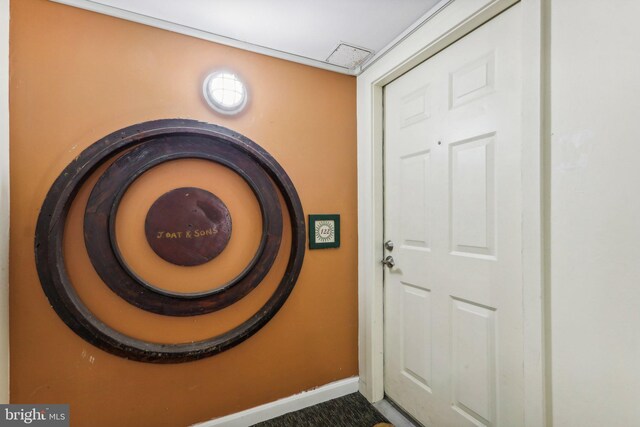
(4, 201)
(450, 24)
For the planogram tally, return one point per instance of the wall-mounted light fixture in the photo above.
(225, 92)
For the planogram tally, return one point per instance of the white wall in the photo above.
(4, 201)
(595, 213)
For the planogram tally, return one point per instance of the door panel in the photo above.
(472, 192)
(414, 196)
(453, 301)
(473, 354)
(416, 309)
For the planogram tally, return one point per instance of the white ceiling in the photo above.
(308, 29)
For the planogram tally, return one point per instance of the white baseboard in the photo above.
(284, 406)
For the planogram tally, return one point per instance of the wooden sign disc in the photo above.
(188, 226)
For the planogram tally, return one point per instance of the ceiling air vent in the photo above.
(348, 56)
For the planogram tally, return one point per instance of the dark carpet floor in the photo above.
(351, 410)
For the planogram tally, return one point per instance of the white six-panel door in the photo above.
(453, 301)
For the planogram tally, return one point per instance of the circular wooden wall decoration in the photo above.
(147, 145)
(188, 226)
(102, 209)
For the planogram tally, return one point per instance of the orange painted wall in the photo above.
(77, 76)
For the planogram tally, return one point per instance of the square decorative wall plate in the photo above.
(324, 231)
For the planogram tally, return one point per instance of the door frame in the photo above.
(452, 22)
(4, 201)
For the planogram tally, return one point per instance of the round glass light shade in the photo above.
(225, 92)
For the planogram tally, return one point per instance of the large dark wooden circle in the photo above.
(188, 226)
(102, 209)
(50, 231)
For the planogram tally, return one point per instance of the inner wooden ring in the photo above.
(101, 213)
(188, 226)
